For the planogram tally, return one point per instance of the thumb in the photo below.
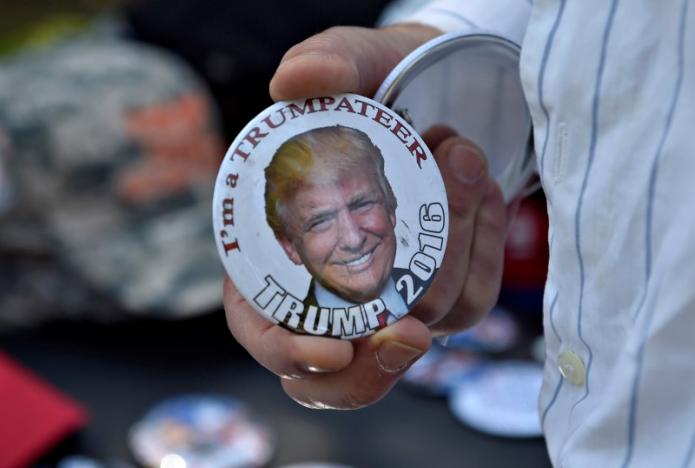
(345, 60)
(378, 363)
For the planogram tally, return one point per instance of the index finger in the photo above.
(281, 351)
(345, 60)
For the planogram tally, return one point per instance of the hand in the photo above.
(328, 373)
(469, 279)
(345, 60)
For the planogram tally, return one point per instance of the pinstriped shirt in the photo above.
(611, 88)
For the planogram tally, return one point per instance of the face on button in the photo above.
(572, 367)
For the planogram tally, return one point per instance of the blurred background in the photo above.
(114, 117)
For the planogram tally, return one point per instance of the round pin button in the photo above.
(501, 400)
(497, 332)
(330, 215)
(441, 369)
(201, 430)
(470, 83)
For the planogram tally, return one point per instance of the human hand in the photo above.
(327, 373)
(345, 60)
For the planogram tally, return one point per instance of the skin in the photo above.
(342, 232)
(327, 373)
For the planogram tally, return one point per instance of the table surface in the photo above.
(118, 371)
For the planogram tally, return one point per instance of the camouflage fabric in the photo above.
(108, 153)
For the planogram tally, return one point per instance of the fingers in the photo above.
(325, 372)
(464, 170)
(436, 135)
(281, 351)
(344, 59)
(485, 265)
(379, 361)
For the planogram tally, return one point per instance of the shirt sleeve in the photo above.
(505, 17)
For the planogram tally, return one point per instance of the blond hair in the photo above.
(327, 152)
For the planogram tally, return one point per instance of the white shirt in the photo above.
(611, 88)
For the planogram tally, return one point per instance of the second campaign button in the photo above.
(330, 215)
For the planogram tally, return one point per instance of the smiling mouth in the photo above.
(361, 260)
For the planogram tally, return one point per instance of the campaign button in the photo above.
(201, 430)
(330, 215)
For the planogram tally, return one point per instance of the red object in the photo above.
(33, 416)
(526, 250)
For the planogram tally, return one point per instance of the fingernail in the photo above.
(467, 163)
(393, 356)
(291, 376)
(313, 369)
